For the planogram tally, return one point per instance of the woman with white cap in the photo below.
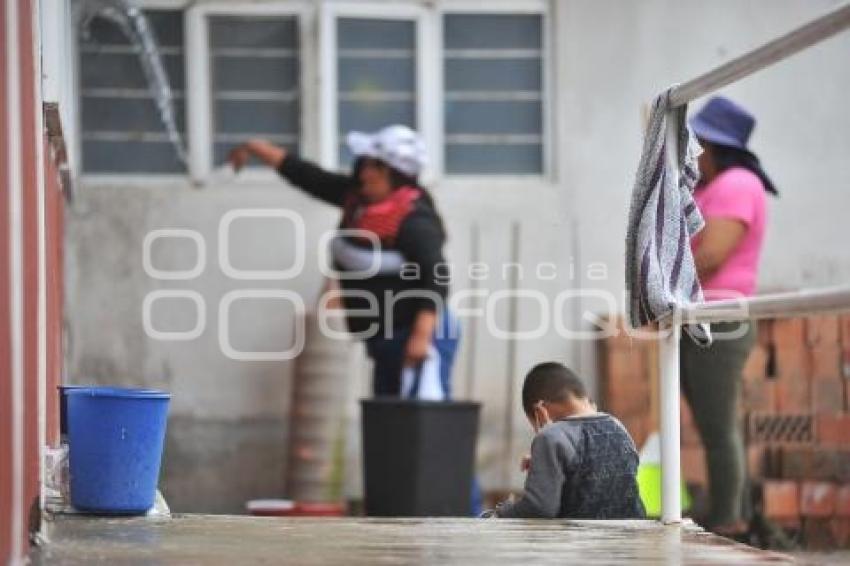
(397, 303)
(731, 198)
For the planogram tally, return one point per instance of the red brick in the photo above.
(840, 527)
(809, 463)
(780, 500)
(825, 362)
(793, 395)
(789, 332)
(792, 362)
(693, 465)
(822, 330)
(757, 461)
(827, 396)
(842, 501)
(795, 462)
(626, 385)
(833, 430)
(638, 427)
(823, 465)
(626, 396)
(817, 499)
(755, 369)
(817, 534)
(759, 396)
(621, 363)
(623, 335)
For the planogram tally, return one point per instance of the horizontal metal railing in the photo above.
(774, 305)
(774, 51)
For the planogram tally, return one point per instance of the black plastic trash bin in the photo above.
(418, 457)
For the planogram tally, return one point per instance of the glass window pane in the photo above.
(121, 128)
(105, 113)
(246, 74)
(272, 117)
(371, 116)
(493, 74)
(103, 69)
(484, 117)
(359, 33)
(128, 156)
(467, 159)
(167, 26)
(235, 31)
(493, 31)
(376, 76)
(493, 99)
(256, 81)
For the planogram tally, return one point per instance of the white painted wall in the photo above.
(610, 57)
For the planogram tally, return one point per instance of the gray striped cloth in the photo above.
(660, 270)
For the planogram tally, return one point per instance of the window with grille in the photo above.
(376, 76)
(254, 67)
(493, 93)
(121, 128)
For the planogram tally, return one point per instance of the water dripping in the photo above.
(133, 23)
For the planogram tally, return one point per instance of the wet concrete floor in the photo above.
(220, 539)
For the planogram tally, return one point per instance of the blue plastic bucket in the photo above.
(63, 407)
(116, 438)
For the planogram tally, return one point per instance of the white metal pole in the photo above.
(671, 497)
(668, 361)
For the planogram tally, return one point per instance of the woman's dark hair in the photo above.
(726, 157)
(399, 180)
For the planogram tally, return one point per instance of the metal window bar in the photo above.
(785, 304)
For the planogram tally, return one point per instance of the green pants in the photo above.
(711, 382)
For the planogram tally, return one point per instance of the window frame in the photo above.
(199, 91)
(507, 7)
(319, 136)
(426, 105)
(100, 178)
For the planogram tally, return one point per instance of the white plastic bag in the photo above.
(428, 386)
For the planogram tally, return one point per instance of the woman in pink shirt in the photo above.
(731, 197)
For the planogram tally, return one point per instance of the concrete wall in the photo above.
(610, 57)
(617, 55)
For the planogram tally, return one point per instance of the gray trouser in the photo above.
(711, 382)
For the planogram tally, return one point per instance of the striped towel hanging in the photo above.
(660, 272)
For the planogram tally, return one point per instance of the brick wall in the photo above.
(795, 418)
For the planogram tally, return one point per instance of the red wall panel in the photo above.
(30, 138)
(6, 433)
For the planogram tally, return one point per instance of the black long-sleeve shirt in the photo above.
(420, 239)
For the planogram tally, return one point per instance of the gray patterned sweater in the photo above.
(581, 468)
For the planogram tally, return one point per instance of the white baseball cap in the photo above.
(398, 146)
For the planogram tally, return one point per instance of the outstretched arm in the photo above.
(324, 185)
(267, 152)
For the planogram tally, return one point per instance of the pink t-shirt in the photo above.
(735, 194)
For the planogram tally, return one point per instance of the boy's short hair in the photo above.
(552, 382)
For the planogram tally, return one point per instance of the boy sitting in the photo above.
(583, 463)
